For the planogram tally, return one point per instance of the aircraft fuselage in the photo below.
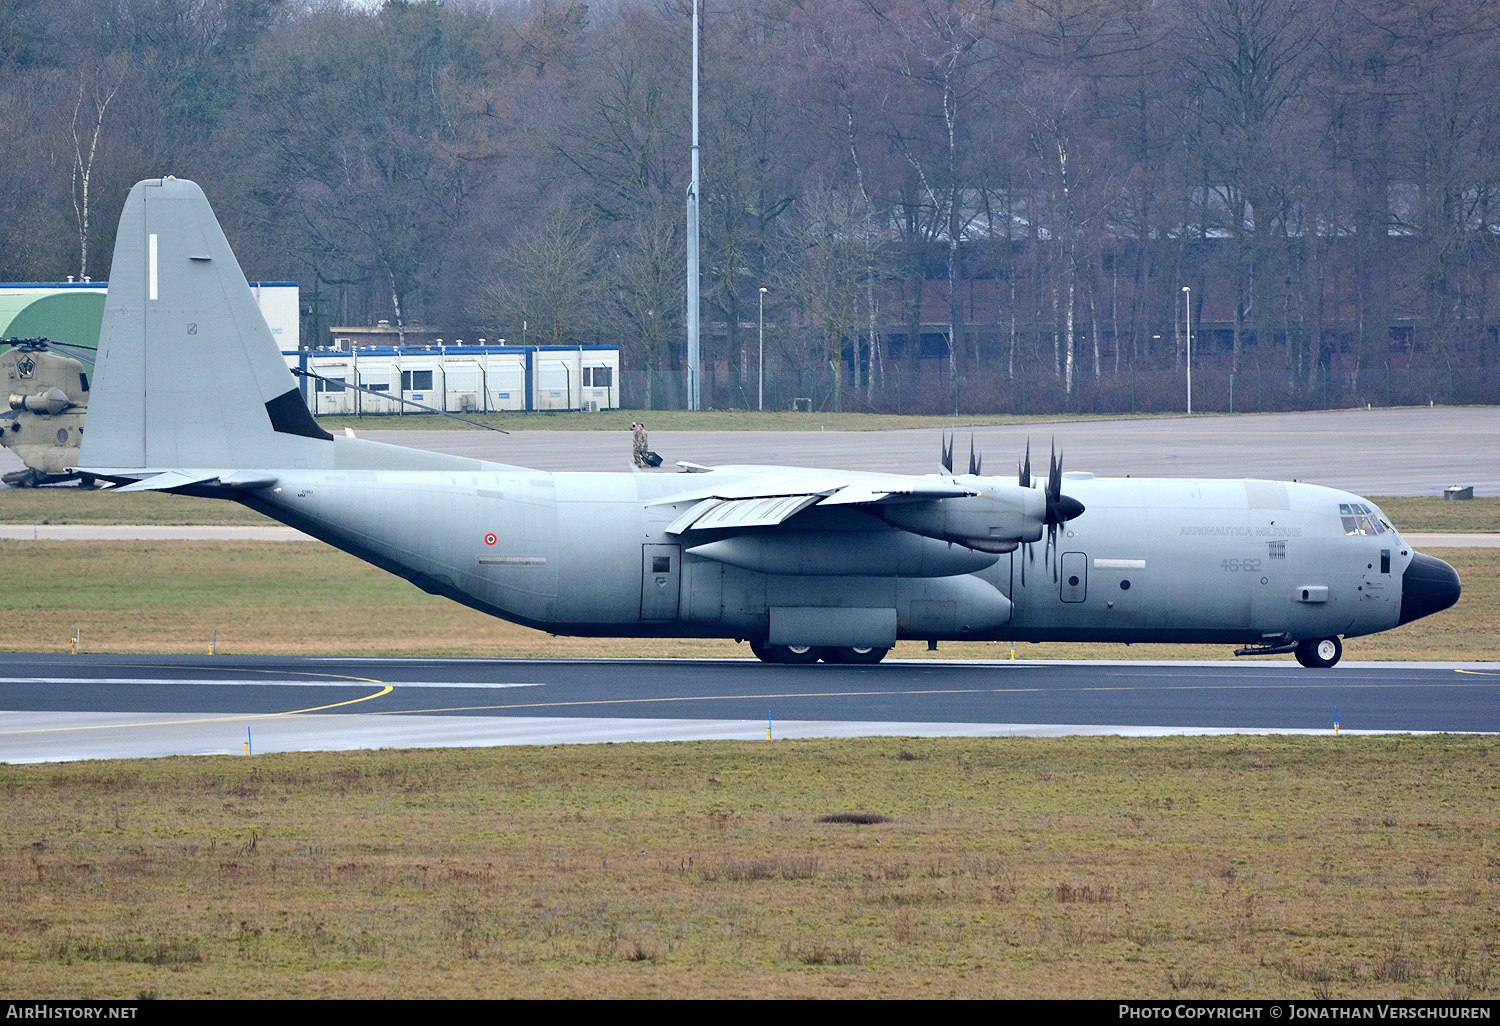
(1225, 561)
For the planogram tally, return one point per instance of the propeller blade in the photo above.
(947, 453)
(1060, 508)
(973, 459)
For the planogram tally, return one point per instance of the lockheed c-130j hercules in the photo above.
(191, 396)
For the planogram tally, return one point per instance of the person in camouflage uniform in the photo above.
(638, 437)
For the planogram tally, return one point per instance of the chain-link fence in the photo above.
(1254, 387)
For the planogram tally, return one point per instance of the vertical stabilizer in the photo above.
(189, 374)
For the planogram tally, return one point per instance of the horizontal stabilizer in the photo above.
(172, 480)
(167, 481)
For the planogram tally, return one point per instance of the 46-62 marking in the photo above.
(1232, 566)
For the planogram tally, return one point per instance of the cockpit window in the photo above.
(1360, 519)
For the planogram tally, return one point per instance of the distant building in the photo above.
(456, 378)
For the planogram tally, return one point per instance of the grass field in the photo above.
(1162, 868)
(306, 598)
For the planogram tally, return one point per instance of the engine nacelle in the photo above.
(53, 401)
(998, 519)
(845, 554)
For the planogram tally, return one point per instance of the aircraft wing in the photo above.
(747, 497)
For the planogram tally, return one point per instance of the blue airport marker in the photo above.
(768, 724)
(1335, 721)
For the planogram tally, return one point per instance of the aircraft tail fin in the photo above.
(189, 374)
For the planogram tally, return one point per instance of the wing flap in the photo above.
(769, 496)
(715, 514)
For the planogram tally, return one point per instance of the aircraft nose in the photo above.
(1427, 586)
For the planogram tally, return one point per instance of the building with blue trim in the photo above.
(458, 378)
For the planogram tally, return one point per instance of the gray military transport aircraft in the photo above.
(191, 396)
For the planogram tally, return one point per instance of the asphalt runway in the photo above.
(1370, 452)
(86, 707)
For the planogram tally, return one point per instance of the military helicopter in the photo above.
(49, 395)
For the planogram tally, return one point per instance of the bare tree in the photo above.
(642, 279)
(943, 59)
(830, 253)
(99, 94)
(549, 280)
(1252, 59)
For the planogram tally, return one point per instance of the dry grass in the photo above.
(1419, 515)
(96, 506)
(1094, 868)
(287, 598)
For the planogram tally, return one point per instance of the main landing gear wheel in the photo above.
(795, 654)
(1319, 654)
(855, 656)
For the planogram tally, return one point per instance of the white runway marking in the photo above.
(66, 737)
(322, 683)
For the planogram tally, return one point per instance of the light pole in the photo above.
(694, 356)
(760, 389)
(1187, 302)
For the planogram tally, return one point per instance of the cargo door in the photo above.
(661, 574)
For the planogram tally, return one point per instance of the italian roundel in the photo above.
(489, 539)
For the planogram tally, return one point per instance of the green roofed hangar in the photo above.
(71, 311)
(67, 312)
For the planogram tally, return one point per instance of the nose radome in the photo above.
(1427, 586)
